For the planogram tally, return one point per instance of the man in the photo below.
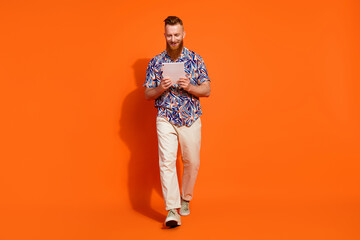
(178, 118)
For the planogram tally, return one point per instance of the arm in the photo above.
(202, 90)
(154, 93)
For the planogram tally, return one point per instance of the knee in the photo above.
(167, 163)
(193, 163)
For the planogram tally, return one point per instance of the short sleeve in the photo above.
(151, 79)
(203, 74)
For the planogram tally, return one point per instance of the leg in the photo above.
(190, 141)
(168, 145)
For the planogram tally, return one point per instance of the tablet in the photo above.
(174, 71)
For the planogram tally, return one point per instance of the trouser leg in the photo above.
(190, 141)
(168, 146)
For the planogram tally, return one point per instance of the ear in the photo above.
(183, 34)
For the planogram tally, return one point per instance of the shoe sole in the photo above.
(172, 223)
(184, 214)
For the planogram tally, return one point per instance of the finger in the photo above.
(166, 82)
(184, 80)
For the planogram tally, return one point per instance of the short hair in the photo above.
(173, 20)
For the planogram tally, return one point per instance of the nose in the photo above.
(173, 38)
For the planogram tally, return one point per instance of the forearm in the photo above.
(202, 90)
(153, 93)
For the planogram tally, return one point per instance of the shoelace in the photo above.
(172, 212)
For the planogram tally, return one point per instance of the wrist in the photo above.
(190, 88)
(161, 89)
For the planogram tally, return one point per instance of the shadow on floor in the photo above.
(138, 131)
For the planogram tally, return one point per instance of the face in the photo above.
(174, 35)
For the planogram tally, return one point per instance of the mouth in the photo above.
(174, 45)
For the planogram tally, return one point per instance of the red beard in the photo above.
(174, 53)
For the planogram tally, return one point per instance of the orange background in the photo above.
(281, 129)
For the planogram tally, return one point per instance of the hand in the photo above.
(185, 84)
(165, 83)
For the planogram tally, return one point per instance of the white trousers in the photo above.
(169, 136)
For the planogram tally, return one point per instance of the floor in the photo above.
(256, 218)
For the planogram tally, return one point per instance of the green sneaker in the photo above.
(184, 210)
(173, 219)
